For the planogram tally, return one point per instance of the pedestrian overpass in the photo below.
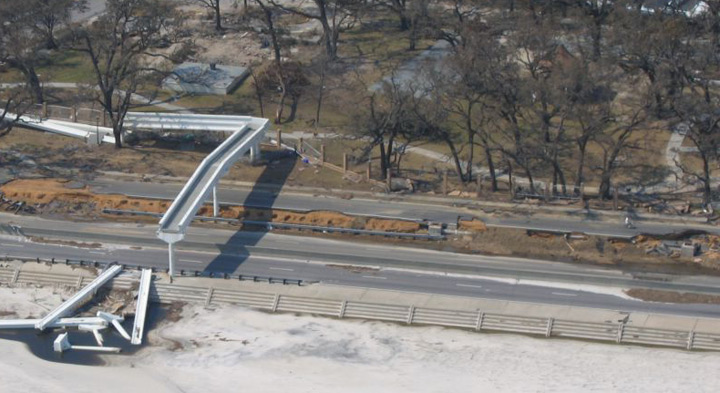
(246, 133)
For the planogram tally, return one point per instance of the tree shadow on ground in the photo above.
(279, 166)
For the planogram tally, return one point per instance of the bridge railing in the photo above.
(474, 320)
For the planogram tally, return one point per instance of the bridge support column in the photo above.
(216, 207)
(255, 152)
(171, 259)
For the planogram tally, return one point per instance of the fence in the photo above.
(475, 320)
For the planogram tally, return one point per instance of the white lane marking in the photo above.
(469, 285)
(564, 294)
(11, 245)
(376, 277)
(190, 261)
(97, 252)
(282, 268)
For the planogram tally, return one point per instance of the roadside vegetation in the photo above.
(540, 97)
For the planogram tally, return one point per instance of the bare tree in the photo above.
(697, 112)
(657, 47)
(334, 17)
(399, 8)
(119, 45)
(598, 11)
(213, 6)
(13, 105)
(385, 118)
(289, 81)
(20, 43)
(53, 14)
(616, 140)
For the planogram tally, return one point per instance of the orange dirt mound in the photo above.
(474, 225)
(375, 224)
(41, 192)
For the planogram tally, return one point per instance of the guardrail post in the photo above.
(322, 153)
(44, 110)
(345, 162)
(621, 329)
(73, 114)
(369, 170)
(279, 138)
(301, 149)
(276, 301)
(690, 340)
(550, 323)
(208, 297)
(16, 275)
(343, 306)
(480, 320)
(411, 314)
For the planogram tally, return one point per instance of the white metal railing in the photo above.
(476, 320)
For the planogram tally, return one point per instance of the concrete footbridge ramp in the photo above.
(247, 133)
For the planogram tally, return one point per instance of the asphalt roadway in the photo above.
(579, 221)
(319, 260)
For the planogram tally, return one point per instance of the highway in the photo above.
(318, 260)
(580, 221)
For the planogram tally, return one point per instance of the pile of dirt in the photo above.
(63, 196)
(57, 196)
(375, 224)
(473, 225)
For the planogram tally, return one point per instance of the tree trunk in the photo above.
(383, 161)
(491, 167)
(216, 8)
(707, 190)
(604, 190)
(471, 157)
(258, 93)
(323, 73)
(34, 85)
(329, 36)
(117, 132)
(281, 107)
(597, 40)
(293, 108)
(580, 178)
(404, 22)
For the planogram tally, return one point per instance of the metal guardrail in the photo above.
(184, 273)
(475, 320)
(281, 225)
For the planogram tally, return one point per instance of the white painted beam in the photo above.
(77, 299)
(141, 308)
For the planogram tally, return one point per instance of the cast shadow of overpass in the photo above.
(236, 250)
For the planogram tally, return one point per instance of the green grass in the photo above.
(67, 66)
